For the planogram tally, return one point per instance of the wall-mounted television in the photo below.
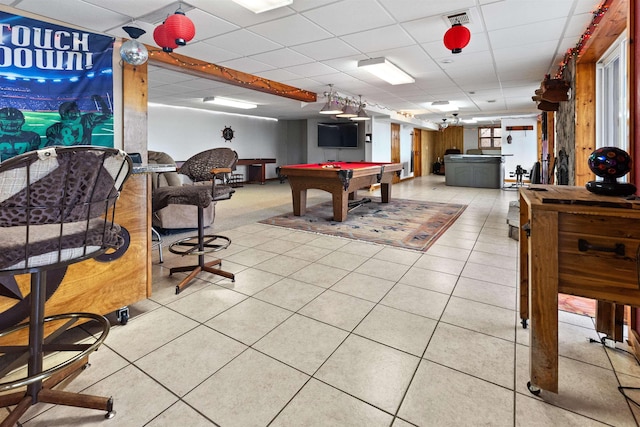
(338, 135)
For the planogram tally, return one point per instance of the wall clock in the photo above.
(227, 133)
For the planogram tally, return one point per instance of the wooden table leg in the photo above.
(299, 201)
(385, 192)
(543, 293)
(340, 205)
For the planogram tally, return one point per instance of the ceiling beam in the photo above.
(184, 64)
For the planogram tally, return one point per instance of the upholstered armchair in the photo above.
(175, 216)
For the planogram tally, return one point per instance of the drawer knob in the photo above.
(584, 245)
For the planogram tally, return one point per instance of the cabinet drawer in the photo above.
(599, 253)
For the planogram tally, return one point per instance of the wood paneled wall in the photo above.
(451, 137)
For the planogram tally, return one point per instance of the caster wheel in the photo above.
(110, 415)
(177, 290)
(525, 323)
(533, 389)
(122, 315)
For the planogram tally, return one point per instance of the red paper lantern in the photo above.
(456, 38)
(162, 38)
(180, 28)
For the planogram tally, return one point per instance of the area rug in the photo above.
(402, 223)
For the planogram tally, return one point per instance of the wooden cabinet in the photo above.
(572, 242)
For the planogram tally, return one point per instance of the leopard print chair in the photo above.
(210, 167)
(56, 208)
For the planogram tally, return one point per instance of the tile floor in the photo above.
(322, 331)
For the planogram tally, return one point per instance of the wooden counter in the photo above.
(579, 244)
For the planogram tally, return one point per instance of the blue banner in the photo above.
(56, 85)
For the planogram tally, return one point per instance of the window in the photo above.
(611, 98)
(489, 137)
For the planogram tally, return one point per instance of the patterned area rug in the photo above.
(402, 223)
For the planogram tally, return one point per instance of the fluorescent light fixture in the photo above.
(259, 6)
(385, 70)
(229, 102)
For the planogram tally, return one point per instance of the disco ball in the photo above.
(134, 52)
(610, 163)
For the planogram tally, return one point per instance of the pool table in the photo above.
(341, 179)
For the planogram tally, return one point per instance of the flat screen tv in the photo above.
(338, 135)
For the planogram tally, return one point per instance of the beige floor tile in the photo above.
(300, 237)
(135, 405)
(398, 329)
(290, 294)
(250, 240)
(340, 310)
(151, 331)
(319, 275)
(531, 412)
(383, 269)
(360, 367)
(301, 342)
(251, 257)
(573, 342)
(249, 391)
(319, 405)
(308, 252)
(487, 273)
(251, 281)
(497, 249)
(449, 252)
(206, 303)
(416, 300)
(436, 263)
(343, 260)
(180, 414)
(429, 279)
(582, 388)
(486, 292)
(473, 353)
(399, 256)
(365, 249)
(249, 320)
(576, 319)
(480, 317)
(328, 242)
(363, 286)
(278, 246)
(503, 261)
(194, 365)
(282, 265)
(439, 396)
(274, 232)
(623, 361)
(457, 242)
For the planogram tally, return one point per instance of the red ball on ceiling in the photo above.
(180, 28)
(163, 39)
(456, 38)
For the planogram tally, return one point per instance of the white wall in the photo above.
(317, 154)
(523, 149)
(183, 132)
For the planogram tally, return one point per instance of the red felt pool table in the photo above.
(341, 179)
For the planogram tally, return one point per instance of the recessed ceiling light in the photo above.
(447, 61)
(259, 6)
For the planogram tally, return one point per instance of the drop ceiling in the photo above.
(313, 43)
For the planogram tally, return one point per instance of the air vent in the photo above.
(466, 16)
(458, 18)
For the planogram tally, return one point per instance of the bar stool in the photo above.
(207, 166)
(56, 208)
